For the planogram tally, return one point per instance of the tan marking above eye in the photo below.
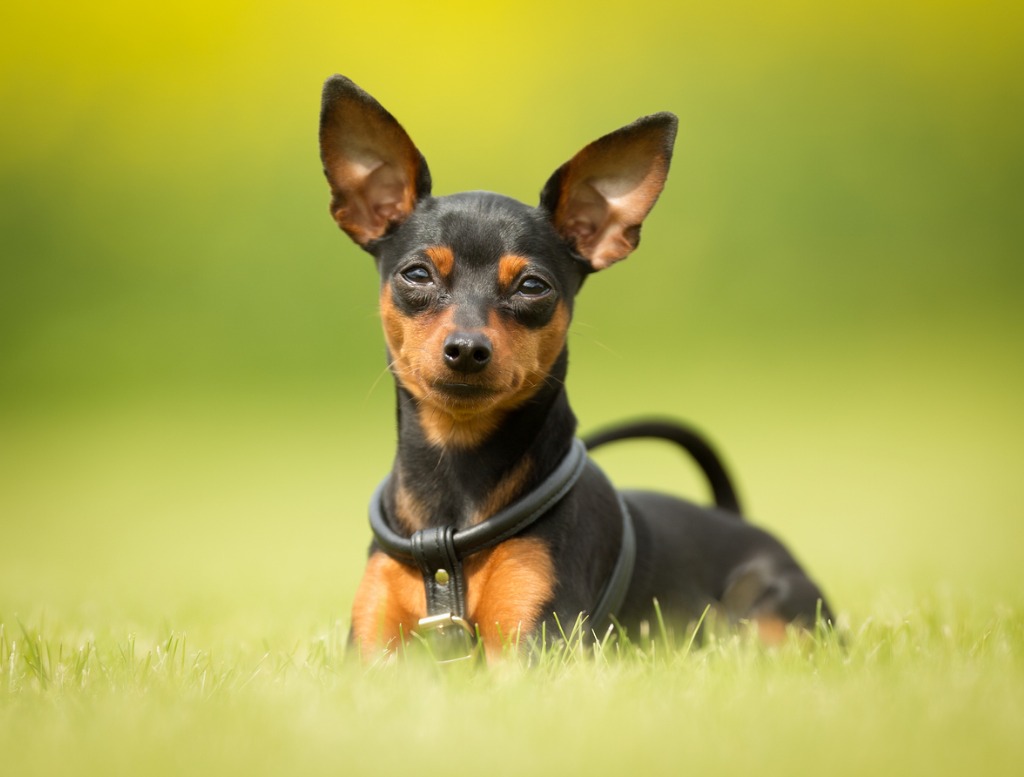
(509, 268)
(443, 259)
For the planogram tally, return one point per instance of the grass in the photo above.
(933, 691)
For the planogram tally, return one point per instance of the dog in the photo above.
(494, 524)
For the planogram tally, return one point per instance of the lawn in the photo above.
(935, 693)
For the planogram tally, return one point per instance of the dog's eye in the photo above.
(532, 286)
(417, 275)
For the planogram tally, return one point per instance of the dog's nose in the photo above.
(467, 351)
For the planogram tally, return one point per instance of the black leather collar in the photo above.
(439, 551)
(500, 526)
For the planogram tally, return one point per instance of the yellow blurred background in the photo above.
(193, 409)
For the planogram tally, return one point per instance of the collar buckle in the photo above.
(449, 638)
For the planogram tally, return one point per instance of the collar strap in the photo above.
(602, 616)
(438, 552)
(494, 530)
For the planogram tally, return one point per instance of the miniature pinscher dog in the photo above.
(476, 295)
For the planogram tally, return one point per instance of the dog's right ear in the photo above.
(376, 173)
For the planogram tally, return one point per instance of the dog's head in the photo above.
(477, 288)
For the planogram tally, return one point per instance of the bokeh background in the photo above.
(193, 403)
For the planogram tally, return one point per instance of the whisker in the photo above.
(377, 380)
(586, 336)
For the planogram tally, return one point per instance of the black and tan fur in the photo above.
(476, 295)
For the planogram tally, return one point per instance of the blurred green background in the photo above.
(193, 409)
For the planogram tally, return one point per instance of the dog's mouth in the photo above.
(463, 392)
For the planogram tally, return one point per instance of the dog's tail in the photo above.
(686, 438)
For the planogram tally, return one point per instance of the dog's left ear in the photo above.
(599, 198)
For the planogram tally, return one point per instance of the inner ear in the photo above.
(599, 198)
(376, 173)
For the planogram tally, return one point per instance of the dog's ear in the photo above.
(376, 173)
(599, 198)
